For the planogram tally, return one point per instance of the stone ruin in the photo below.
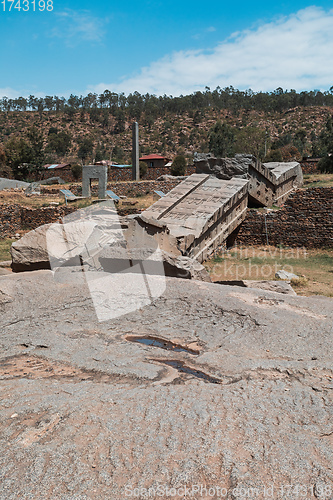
(188, 224)
(199, 214)
(90, 172)
(269, 183)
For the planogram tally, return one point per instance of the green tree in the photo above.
(326, 138)
(76, 171)
(250, 140)
(86, 148)
(178, 166)
(326, 164)
(273, 155)
(221, 140)
(143, 168)
(36, 141)
(18, 157)
(300, 140)
(59, 142)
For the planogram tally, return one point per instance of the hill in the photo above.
(78, 131)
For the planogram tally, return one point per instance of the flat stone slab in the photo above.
(189, 207)
(5, 263)
(208, 386)
(12, 183)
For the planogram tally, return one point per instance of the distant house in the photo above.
(57, 166)
(155, 161)
(62, 170)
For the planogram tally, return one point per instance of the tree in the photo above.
(326, 164)
(5, 171)
(59, 142)
(143, 168)
(76, 171)
(86, 148)
(221, 140)
(2, 157)
(36, 141)
(250, 140)
(326, 138)
(178, 166)
(300, 140)
(19, 156)
(273, 155)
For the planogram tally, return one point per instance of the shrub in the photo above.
(143, 168)
(178, 166)
(326, 164)
(76, 171)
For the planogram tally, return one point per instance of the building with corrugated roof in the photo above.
(155, 161)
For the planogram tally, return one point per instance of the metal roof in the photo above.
(153, 157)
(56, 165)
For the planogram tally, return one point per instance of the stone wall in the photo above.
(15, 218)
(114, 174)
(10, 220)
(306, 220)
(310, 166)
(130, 188)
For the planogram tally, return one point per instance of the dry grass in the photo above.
(44, 200)
(318, 180)
(5, 249)
(314, 267)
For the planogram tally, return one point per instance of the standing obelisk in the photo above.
(135, 152)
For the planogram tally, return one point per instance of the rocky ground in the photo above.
(210, 386)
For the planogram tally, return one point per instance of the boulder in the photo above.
(169, 177)
(223, 168)
(52, 180)
(111, 244)
(30, 253)
(284, 275)
(151, 261)
(273, 286)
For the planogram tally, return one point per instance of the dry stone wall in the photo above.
(10, 220)
(114, 174)
(125, 188)
(306, 220)
(15, 218)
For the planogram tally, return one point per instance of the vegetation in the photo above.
(279, 125)
(5, 249)
(76, 171)
(221, 140)
(178, 166)
(314, 267)
(143, 168)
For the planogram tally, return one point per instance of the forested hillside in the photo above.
(281, 125)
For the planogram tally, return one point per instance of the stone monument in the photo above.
(135, 152)
(90, 172)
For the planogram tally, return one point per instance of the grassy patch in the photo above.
(318, 180)
(314, 267)
(5, 249)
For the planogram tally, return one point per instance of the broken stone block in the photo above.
(284, 275)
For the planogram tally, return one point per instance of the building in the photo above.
(62, 170)
(155, 161)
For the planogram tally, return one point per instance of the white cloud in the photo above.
(291, 52)
(76, 26)
(9, 92)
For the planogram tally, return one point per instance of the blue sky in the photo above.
(168, 46)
